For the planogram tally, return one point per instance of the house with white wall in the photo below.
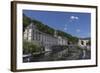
(31, 33)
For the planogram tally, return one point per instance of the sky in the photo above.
(74, 23)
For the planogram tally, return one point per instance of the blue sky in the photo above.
(76, 24)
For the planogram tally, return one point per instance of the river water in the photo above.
(67, 54)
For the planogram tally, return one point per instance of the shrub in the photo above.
(29, 47)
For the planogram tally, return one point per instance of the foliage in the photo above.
(70, 37)
(26, 21)
(43, 28)
(29, 47)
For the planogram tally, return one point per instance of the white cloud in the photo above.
(74, 17)
(71, 17)
(78, 30)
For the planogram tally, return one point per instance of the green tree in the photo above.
(29, 47)
(26, 21)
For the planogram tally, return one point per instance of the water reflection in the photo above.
(70, 53)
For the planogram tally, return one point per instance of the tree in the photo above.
(26, 21)
(29, 47)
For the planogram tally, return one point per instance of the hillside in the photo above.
(46, 29)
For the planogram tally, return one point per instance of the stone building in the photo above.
(84, 42)
(31, 33)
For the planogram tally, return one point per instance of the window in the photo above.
(82, 42)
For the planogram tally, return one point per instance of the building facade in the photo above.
(84, 42)
(31, 33)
